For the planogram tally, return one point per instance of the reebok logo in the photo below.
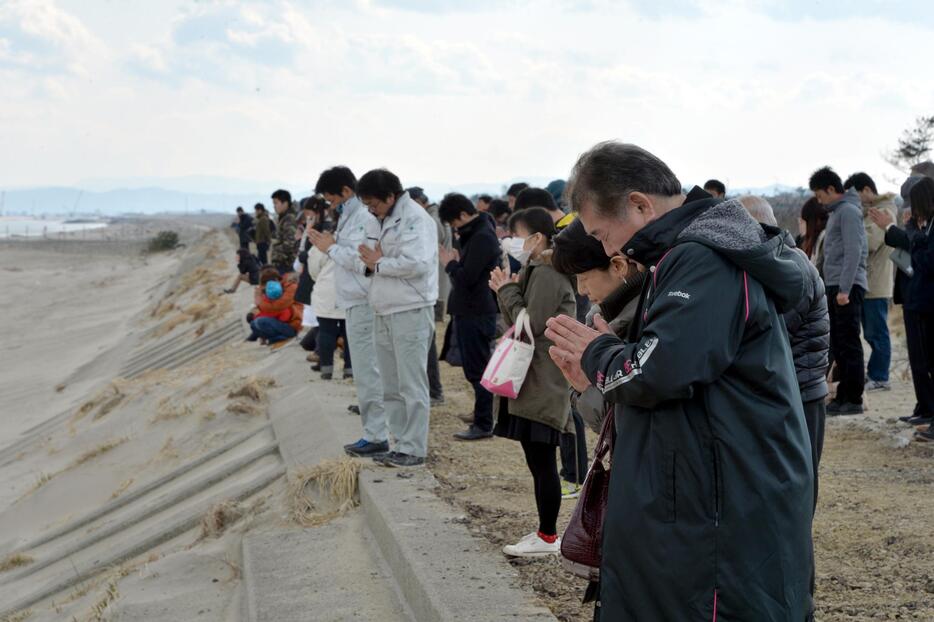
(680, 294)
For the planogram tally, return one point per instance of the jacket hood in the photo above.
(883, 201)
(850, 196)
(727, 228)
(765, 252)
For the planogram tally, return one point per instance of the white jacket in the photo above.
(406, 277)
(355, 226)
(324, 296)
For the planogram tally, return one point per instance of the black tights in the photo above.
(543, 465)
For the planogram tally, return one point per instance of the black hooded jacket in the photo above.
(710, 502)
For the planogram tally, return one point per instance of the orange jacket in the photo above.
(277, 308)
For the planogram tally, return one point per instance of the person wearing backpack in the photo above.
(539, 414)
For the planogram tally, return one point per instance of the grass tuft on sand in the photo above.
(100, 450)
(15, 560)
(221, 516)
(319, 494)
(17, 616)
(253, 388)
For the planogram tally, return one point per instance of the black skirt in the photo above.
(523, 430)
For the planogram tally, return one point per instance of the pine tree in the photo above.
(915, 143)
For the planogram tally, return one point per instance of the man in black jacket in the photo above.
(900, 238)
(471, 302)
(711, 492)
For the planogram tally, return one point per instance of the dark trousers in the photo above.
(574, 452)
(815, 413)
(328, 332)
(920, 351)
(475, 335)
(271, 329)
(846, 345)
(262, 252)
(310, 340)
(435, 390)
(543, 465)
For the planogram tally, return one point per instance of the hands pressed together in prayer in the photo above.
(499, 277)
(447, 255)
(570, 339)
(370, 256)
(321, 241)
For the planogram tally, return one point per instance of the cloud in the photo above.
(37, 36)
(226, 43)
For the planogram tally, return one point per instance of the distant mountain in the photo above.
(56, 200)
(148, 195)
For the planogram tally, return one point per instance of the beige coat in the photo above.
(880, 271)
(543, 293)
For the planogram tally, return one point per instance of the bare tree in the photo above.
(915, 143)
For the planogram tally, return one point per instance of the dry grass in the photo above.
(100, 610)
(17, 616)
(163, 308)
(15, 560)
(105, 401)
(245, 408)
(168, 451)
(101, 449)
(122, 488)
(169, 410)
(219, 518)
(334, 481)
(253, 388)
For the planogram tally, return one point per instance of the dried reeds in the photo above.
(219, 518)
(101, 449)
(253, 388)
(15, 560)
(318, 494)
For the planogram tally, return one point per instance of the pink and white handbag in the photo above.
(508, 366)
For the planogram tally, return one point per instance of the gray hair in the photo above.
(760, 209)
(605, 176)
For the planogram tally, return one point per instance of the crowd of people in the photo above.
(713, 341)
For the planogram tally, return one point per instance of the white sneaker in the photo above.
(532, 546)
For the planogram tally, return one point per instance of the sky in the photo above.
(754, 92)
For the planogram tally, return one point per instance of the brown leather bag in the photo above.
(583, 539)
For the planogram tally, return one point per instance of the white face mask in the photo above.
(514, 246)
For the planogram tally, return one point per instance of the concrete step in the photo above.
(441, 572)
(117, 517)
(186, 353)
(333, 572)
(136, 539)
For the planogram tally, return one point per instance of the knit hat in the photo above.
(273, 290)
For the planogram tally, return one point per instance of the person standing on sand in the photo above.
(880, 276)
(284, 248)
(263, 233)
(845, 253)
(403, 267)
(709, 507)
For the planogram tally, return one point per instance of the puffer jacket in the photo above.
(273, 308)
(710, 501)
(355, 226)
(808, 327)
(406, 277)
(323, 270)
